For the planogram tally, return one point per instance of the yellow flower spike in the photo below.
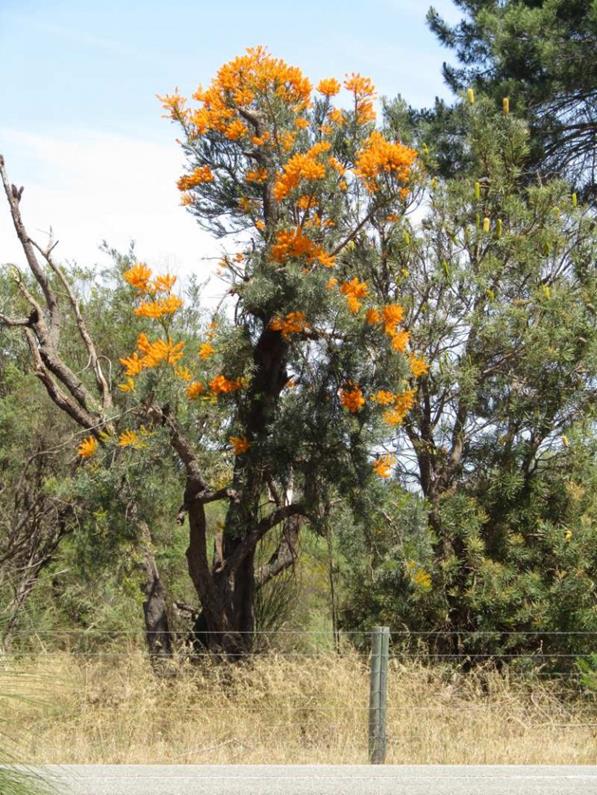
(506, 104)
(499, 228)
(477, 190)
(574, 200)
(470, 95)
(422, 579)
(127, 386)
(486, 225)
(88, 447)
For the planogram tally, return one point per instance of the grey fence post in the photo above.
(378, 694)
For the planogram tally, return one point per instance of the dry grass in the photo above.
(287, 709)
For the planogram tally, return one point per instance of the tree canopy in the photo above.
(539, 54)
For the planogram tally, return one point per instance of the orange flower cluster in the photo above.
(403, 403)
(235, 130)
(260, 140)
(364, 93)
(236, 86)
(292, 243)
(163, 284)
(337, 116)
(384, 397)
(391, 316)
(138, 277)
(292, 323)
(400, 340)
(352, 398)
(300, 167)
(306, 202)
(206, 350)
(175, 105)
(418, 366)
(199, 176)
(354, 290)
(87, 447)
(184, 374)
(129, 439)
(195, 389)
(239, 444)
(380, 156)
(220, 385)
(159, 308)
(286, 140)
(382, 466)
(154, 353)
(257, 175)
(328, 87)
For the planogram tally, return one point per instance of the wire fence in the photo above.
(442, 696)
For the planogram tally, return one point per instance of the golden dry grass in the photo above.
(287, 709)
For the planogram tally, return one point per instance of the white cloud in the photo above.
(90, 186)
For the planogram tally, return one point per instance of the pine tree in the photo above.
(539, 54)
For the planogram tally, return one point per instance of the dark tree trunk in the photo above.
(155, 611)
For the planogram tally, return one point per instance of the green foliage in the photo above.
(501, 441)
(588, 672)
(540, 54)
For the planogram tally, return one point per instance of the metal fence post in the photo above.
(378, 693)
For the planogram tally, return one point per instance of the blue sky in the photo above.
(81, 127)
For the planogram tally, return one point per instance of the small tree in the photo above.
(287, 396)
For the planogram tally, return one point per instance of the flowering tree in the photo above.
(295, 387)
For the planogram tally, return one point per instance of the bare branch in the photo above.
(82, 326)
(26, 244)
